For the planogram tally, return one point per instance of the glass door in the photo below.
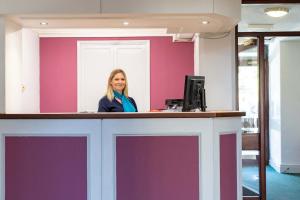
(248, 101)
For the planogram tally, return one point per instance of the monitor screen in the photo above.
(194, 94)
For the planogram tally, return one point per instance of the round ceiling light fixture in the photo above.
(43, 23)
(277, 11)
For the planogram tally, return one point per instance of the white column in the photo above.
(13, 67)
(217, 64)
(30, 72)
(196, 54)
(2, 65)
(21, 69)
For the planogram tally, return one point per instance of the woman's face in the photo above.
(118, 82)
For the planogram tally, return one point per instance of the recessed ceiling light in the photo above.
(205, 22)
(43, 23)
(125, 23)
(276, 11)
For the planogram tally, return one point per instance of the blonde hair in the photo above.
(109, 92)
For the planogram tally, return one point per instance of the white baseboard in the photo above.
(285, 168)
(275, 165)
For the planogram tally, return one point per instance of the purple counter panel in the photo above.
(228, 167)
(45, 168)
(157, 167)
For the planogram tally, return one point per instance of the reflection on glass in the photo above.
(248, 82)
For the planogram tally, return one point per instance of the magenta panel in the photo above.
(45, 168)
(169, 63)
(58, 75)
(228, 171)
(153, 167)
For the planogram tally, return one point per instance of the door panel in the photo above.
(248, 90)
(96, 59)
(132, 59)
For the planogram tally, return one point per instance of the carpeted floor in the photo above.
(279, 186)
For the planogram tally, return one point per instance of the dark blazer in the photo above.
(105, 105)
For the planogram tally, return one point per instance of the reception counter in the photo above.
(123, 156)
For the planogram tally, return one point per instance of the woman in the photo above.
(116, 98)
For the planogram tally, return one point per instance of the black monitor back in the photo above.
(194, 94)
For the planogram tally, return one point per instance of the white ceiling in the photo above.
(254, 14)
(179, 23)
(112, 25)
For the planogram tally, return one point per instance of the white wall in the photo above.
(217, 64)
(2, 65)
(274, 105)
(21, 70)
(290, 105)
(285, 105)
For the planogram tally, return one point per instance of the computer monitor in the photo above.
(194, 94)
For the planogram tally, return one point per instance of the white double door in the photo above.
(96, 59)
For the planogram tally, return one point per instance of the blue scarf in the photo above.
(126, 103)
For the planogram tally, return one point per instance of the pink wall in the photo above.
(154, 167)
(45, 168)
(169, 61)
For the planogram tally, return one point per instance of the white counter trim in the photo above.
(101, 150)
(224, 126)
